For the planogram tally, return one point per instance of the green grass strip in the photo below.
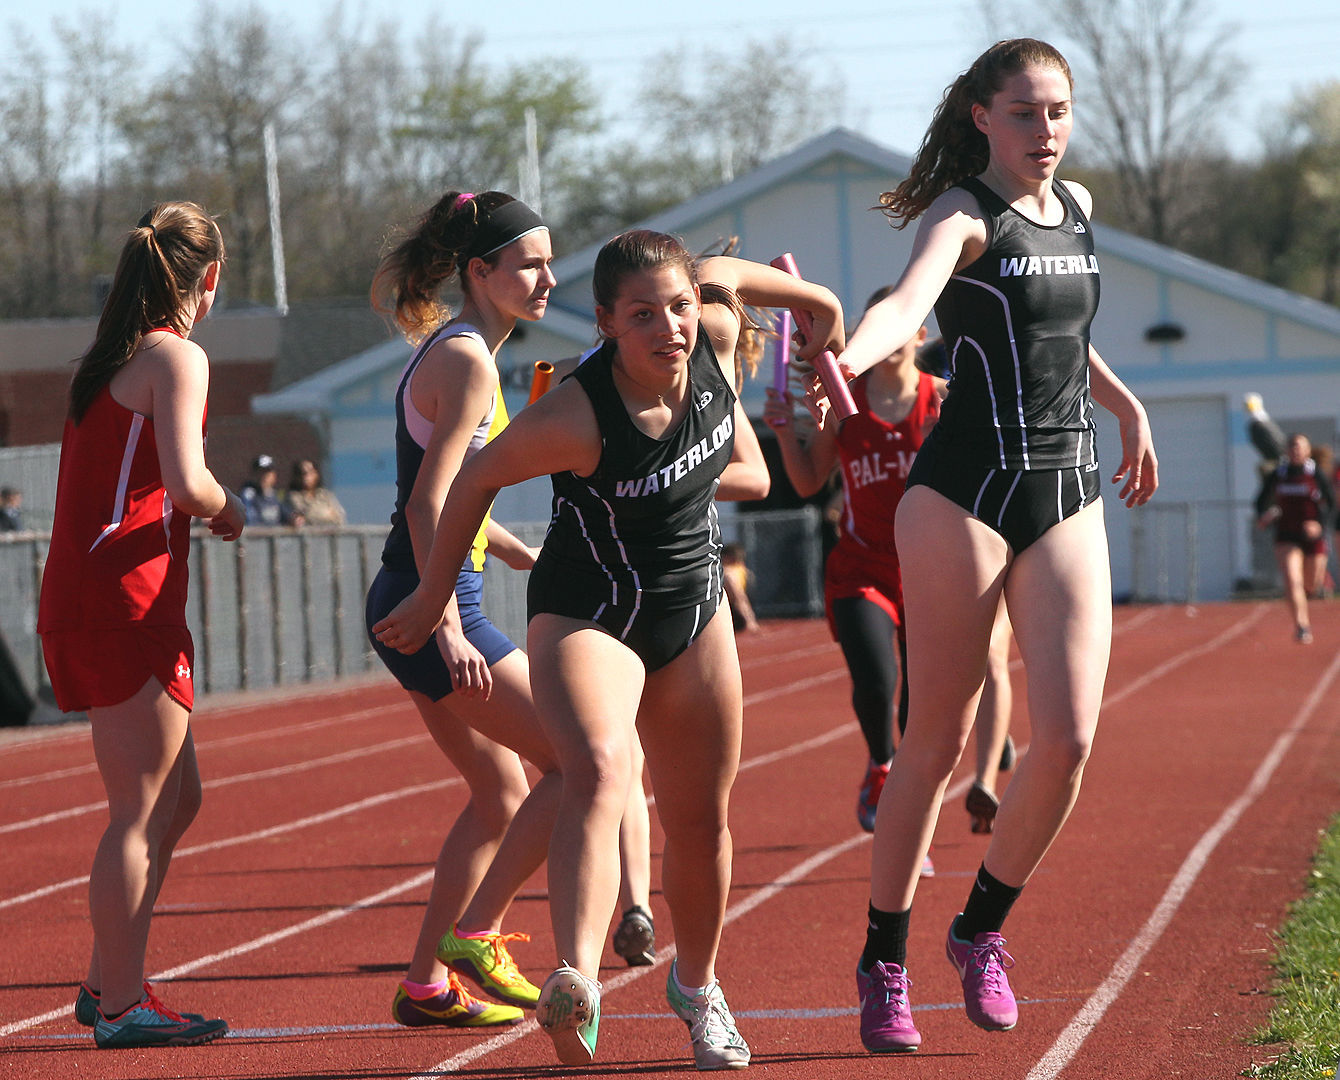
(1305, 1020)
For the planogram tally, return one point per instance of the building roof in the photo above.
(836, 144)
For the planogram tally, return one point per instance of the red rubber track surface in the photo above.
(1142, 944)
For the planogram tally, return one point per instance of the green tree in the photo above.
(725, 113)
(1315, 124)
(341, 170)
(464, 120)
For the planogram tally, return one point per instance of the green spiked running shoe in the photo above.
(453, 1007)
(569, 1010)
(151, 1023)
(717, 1043)
(485, 959)
(86, 1004)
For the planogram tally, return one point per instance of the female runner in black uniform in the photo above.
(626, 620)
(1002, 498)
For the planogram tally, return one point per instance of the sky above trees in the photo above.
(894, 59)
(374, 118)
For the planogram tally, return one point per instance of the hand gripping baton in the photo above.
(839, 397)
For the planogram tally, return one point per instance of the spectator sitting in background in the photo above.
(11, 513)
(309, 501)
(261, 497)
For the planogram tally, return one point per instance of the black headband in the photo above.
(499, 227)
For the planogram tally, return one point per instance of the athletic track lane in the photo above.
(1142, 943)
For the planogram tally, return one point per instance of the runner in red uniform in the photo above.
(896, 405)
(113, 608)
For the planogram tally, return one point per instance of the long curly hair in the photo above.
(954, 149)
(409, 280)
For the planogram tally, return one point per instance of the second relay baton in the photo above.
(839, 397)
(780, 371)
(539, 382)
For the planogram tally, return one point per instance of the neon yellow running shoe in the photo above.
(485, 959)
(453, 1007)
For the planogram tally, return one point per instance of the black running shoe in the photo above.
(635, 938)
(982, 805)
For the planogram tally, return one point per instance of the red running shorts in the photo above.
(93, 669)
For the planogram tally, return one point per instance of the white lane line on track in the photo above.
(664, 955)
(224, 781)
(1159, 670)
(314, 923)
(313, 1031)
(207, 714)
(771, 659)
(206, 744)
(482, 1049)
(1072, 1038)
(203, 745)
(1138, 620)
(21, 1025)
(260, 834)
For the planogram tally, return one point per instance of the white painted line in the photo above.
(1214, 644)
(260, 834)
(202, 744)
(225, 781)
(1070, 1040)
(318, 819)
(482, 1049)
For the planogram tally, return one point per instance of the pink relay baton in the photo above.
(839, 397)
(780, 372)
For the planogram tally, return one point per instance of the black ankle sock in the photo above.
(988, 905)
(886, 938)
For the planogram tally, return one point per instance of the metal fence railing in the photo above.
(285, 606)
(279, 606)
(1191, 552)
(784, 554)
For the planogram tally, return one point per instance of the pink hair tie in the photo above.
(462, 199)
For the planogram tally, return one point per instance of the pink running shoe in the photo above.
(867, 799)
(886, 1013)
(981, 964)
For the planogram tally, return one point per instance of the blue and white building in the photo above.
(1191, 339)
